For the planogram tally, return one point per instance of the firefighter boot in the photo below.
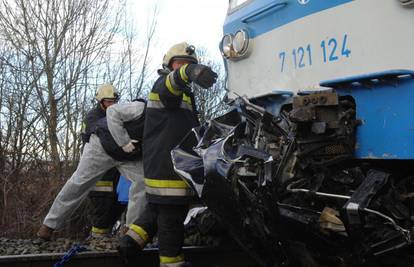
(128, 249)
(45, 233)
(99, 233)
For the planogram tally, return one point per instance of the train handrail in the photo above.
(275, 5)
(383, 75)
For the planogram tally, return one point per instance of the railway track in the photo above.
(198, 256)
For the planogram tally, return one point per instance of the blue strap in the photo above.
(72, 252)
(122, 189)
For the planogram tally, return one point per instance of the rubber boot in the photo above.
(45, 233)
(100, 233)
(128, 250)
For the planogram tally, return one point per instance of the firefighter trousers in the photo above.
(168, 221)
(105, 208)
(94, 163)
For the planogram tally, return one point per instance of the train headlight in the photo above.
(235, 3)
(235, 46)
(226, 46)
(407, 3)
(241, 43)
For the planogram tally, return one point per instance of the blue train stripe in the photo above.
(262, 16)
(385, 109)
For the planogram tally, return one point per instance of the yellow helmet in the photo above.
(180, 51)
(106, 91)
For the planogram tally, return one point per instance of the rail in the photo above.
(198, 256)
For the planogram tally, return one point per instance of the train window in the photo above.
(233, 4)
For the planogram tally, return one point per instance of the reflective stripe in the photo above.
(100, 230)
(183, 74)
(103, 189)
(154, 96)
(104, 183)
(187, 99)
(103, 186)
(83, 127)
(186, 106)
(175, 264)
(177, 259)
(173, 84)
(155, 104)
(170, 83)
(165, 183)
(160, 105)
(186, 103)
(140, 231)
(136, 238)
(138, 234)
(176, 192)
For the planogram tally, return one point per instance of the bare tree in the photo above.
(53, 55)
(149, 37)
(127, 67)
(15, 118)
(210, 102)
(60, 39)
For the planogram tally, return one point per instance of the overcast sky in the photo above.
(198, 22)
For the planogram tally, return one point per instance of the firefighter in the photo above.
(97, 158)
(105, 207)
(170, 114)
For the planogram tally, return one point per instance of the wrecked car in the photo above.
(288, 189)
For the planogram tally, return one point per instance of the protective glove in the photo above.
(201, 75)
(128, 249)
(128, 148)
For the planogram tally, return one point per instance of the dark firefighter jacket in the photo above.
(135, 129)
(89, 123)
(170, 114)
(95, 122)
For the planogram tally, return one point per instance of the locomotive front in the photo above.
(312, 166)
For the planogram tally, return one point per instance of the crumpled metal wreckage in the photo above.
(288, 190)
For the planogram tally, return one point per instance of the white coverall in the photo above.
(95, 162)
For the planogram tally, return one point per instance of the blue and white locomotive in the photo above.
(314, 165)
(302, 45)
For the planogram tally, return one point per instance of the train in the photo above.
(305, 45)
(312, 165)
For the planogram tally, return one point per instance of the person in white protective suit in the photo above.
(115, 143)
